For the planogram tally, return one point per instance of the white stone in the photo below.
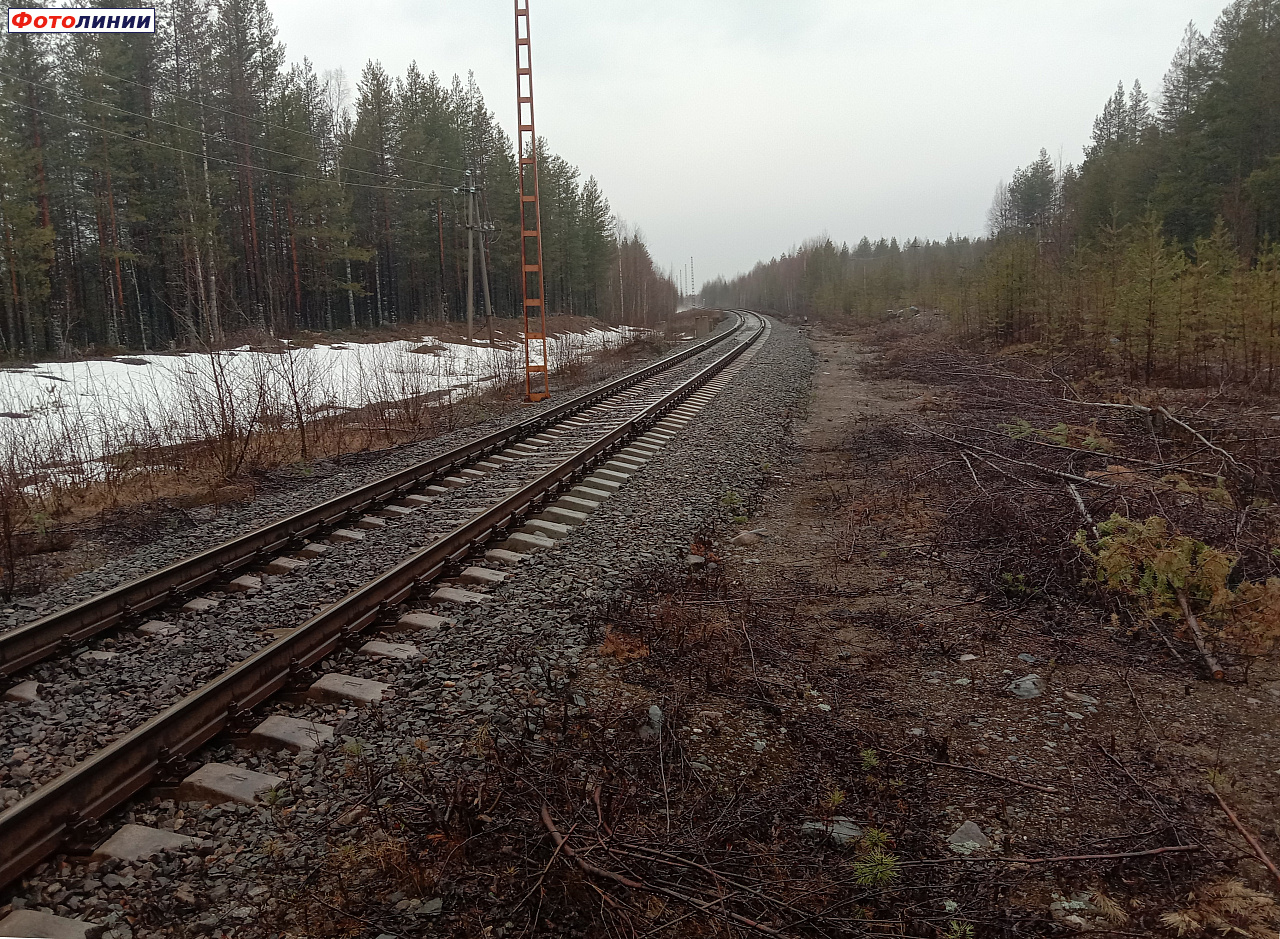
(1029, 686)
(968, 838)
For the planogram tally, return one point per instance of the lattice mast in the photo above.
(537, 382)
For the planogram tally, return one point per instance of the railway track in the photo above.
(66, 628)
(525, 477)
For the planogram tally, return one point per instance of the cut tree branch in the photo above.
(1248, 836)
(587, 867)
(1209, 660)
(1008, 459)
(974, 769)
(1120, 856)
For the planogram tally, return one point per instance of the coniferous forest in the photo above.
(1157, 256)
(192, 186)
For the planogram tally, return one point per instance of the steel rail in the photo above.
(39, 824)
(62, 630)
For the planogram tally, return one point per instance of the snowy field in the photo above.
(66, 417)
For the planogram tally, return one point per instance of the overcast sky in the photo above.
(732, 130)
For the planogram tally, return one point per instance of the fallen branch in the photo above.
(595, 797)
(1119, 856)
(1155, 803)
(1150, 464)
(1084, 510)
(974, 769)
(562, 843)
(1071, 477)
(1232, 461)
(1248, 836)
(1164, 412)
(976, 481)
(1210, 662)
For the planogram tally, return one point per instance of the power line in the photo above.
(263, 121)
(200, 156)
(202, 134)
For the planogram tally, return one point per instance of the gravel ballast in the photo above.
(98, 693)
(502, 667)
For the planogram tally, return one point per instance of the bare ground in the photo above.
(939, 590)
(836, 703)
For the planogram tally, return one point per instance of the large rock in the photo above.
(968, 839)
(839, 828)
(1029, 686)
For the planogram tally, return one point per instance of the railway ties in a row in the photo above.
(581, 462)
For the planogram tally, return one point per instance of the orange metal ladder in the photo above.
(537, 380)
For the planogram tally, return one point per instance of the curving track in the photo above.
(459, 502)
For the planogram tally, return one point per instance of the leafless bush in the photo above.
(15, 515)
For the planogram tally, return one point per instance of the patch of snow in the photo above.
(62, 419)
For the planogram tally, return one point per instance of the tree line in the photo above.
(1156, 256)
(192, 186)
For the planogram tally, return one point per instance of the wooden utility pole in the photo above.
(471, 252)
(482, 213)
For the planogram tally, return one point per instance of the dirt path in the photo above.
(1112, 750)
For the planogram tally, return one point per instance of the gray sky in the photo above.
(732, 131)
